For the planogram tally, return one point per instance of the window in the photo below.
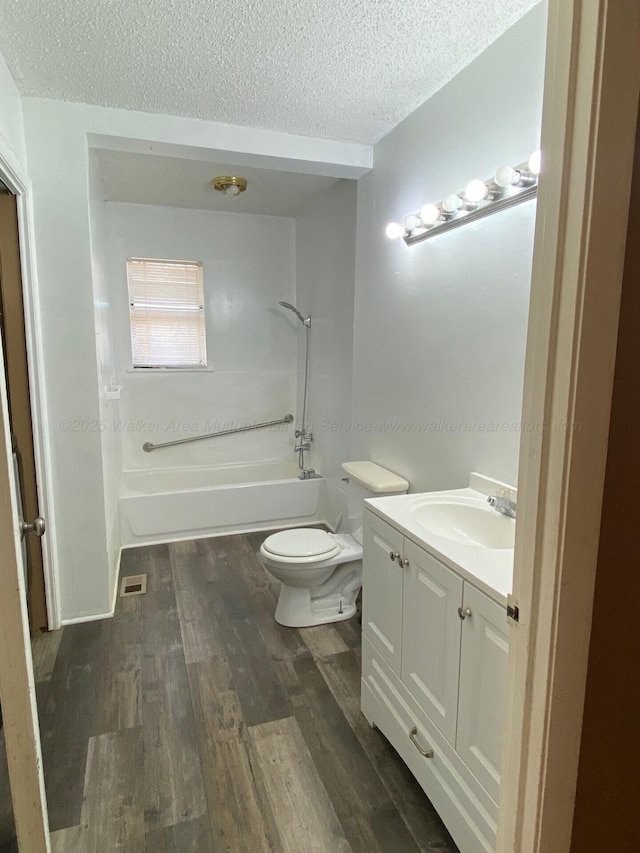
(166, 313)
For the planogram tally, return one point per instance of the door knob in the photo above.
(38, 527)
(464, 613)
(395, 555)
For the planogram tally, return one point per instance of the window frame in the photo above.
(201, 313)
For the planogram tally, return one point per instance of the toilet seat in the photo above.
(301, 545)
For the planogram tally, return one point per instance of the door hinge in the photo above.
(513, 611)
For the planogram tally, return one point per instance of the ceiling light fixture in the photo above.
(509, 186)
(229, 184)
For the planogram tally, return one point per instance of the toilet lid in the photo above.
(301, 542)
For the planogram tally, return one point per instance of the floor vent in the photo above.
(133, 585)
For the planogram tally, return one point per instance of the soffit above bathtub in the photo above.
(174, 182)
(328, 69)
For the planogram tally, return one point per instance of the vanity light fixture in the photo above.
(394, 229)
(535, 162)
(452, 204)
(430, 214)
(229, 184)
(509, 186)
(507, 176)
(475, 192)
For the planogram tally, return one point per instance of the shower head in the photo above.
(290, 307)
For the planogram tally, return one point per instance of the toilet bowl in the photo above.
(321, 575)
(321, 572)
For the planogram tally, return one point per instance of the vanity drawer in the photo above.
(467, 810)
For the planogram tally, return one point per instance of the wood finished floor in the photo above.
(193, 723)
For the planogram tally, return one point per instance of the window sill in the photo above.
(164, 371)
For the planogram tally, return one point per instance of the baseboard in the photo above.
(77, 620)
(116, 585)
(96, 617)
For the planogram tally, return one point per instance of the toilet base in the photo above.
(297, 609)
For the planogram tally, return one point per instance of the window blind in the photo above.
(166, 310)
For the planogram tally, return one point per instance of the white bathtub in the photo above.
(167, 505)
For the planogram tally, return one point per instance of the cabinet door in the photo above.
(382, 589)
(431, 637)
(483, 683)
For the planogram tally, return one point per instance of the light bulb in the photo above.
(507, 176)
(476, 191)
(535, 162)
(232, 189)
(412, 222)
(394, 230)
(430, 213)
(452, 203)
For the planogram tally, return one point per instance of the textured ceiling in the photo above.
(172, 182)
(325, 68)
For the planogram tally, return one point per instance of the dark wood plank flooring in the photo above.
(193, 723)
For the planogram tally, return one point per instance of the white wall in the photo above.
(110, 438)
(58, 167)
(440, 327)
(12, 144)
(325, 264)
(248, 266)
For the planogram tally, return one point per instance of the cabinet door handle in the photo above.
(464, 613)
(427, 753)
(395, 555)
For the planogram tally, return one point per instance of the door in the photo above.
(17, 688)
(12, 327)
(382, 589)
(483, 688)
(431, 638)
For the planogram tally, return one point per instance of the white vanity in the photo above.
(437, 571)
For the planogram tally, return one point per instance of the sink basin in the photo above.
(465, 520)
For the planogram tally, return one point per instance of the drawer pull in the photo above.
(427, 753)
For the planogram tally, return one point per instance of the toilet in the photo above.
(321, 573)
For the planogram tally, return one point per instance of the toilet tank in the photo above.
(368, 480)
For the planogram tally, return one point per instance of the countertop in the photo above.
(488, 569)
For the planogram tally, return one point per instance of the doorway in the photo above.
(12, 328)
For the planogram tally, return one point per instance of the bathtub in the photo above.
(168, 505)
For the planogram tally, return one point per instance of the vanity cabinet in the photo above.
(483, 688)
(434, 678)
(384, 546)
(431, 636)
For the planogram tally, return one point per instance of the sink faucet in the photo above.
(503, 505)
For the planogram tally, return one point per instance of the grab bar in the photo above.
(148, 446)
